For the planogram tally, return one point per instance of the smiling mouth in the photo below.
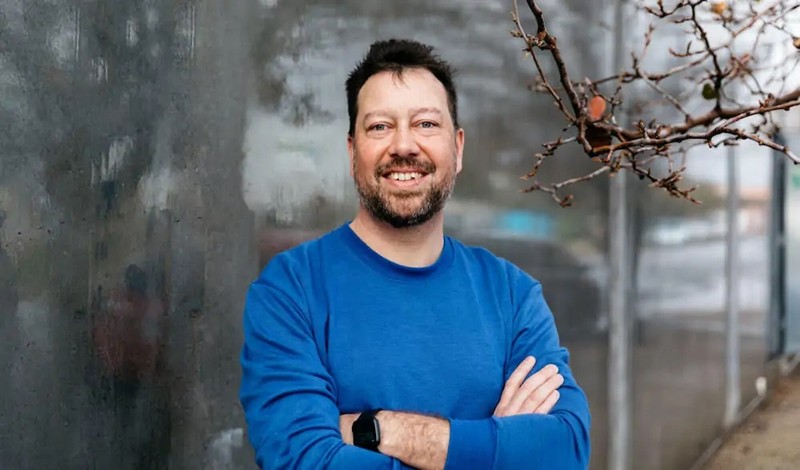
(404, 175)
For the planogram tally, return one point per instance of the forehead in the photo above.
(393, 92)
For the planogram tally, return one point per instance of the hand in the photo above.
(536, 395)
(346, 426)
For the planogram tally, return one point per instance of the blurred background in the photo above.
(155, 154)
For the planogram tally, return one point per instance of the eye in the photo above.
(377, 127)
(428, 124)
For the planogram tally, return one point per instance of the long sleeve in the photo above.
(559, 439)
(287, 394)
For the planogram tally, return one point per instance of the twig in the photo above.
(646, 141)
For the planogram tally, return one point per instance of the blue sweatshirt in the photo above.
(331, 327)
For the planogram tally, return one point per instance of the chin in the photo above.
(405, 213)
(410, 219)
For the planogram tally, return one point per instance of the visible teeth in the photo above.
(405, 176)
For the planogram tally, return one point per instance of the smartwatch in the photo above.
(367, 431)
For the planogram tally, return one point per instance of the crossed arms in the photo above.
(293, 421)
(421, 441)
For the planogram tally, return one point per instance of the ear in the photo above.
(351, 151)
(459, 148)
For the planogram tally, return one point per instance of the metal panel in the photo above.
(751, 283)
(155, 154)
(679, 350)
(791, 326)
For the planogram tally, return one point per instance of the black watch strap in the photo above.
(367, 431)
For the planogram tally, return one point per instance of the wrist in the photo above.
(406, 436)
(386, 421)
(366, 430)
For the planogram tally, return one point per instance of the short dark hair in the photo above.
(396, 55)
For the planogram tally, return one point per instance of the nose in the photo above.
(404, 144)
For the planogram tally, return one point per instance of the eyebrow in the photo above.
(412, 112)
(416, 111)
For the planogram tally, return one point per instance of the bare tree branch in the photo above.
(730, 80)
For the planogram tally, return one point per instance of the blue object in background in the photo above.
(525, 224)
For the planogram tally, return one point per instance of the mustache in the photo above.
(406, 163)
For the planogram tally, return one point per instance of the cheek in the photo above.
(447, 160)
(440, 150)
(367, 156)
(362, 168)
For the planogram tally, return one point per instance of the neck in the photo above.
(415, 247)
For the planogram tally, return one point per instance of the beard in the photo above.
(404, 210)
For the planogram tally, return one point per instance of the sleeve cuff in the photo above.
(472, 444)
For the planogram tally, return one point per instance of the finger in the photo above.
(530, 386)
(542, 387)
(514, 381)
(549, 403)
(540, 395)
(537, 396)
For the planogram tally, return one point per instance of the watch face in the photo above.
(366, 433)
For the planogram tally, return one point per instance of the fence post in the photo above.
(619, 356)
(732, 338)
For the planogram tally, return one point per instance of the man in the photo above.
(385, 344)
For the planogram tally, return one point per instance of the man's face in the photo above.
(405, 151)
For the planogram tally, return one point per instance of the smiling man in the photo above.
(385, 343)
